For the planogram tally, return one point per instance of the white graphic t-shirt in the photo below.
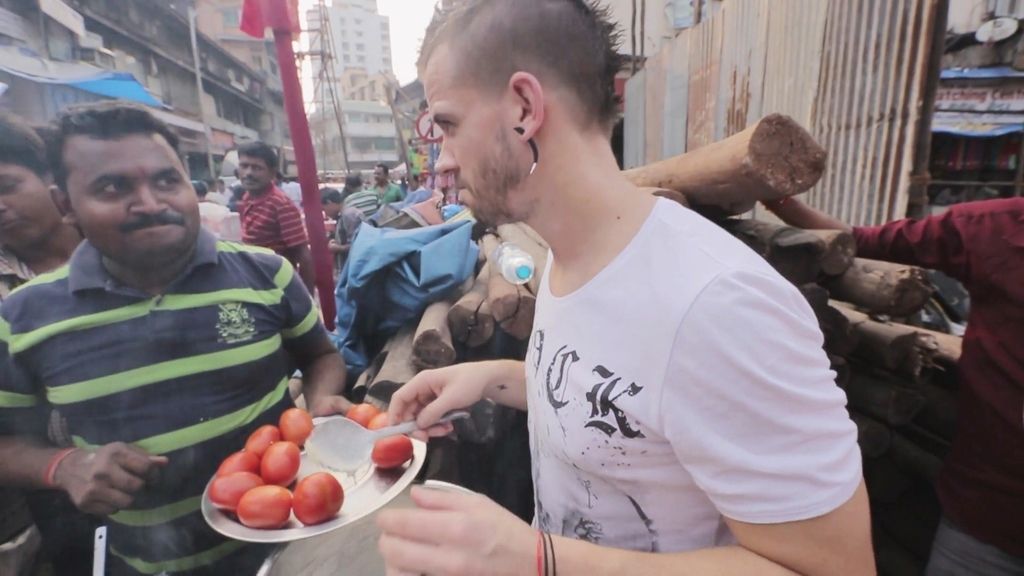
(684, 383)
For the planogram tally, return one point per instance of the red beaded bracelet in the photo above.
(51, 468)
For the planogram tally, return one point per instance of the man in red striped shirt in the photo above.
(269, 218)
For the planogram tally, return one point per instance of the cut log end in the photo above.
(785, 155)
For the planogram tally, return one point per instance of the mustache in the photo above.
(166, 218)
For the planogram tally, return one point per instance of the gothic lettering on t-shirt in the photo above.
(602, 405)
(537, 342)
(648, 523)
(563, 361)
(575, 524)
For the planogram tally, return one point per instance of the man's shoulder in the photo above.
(47, 297)
(257, 256)
(1009, 207)
(686, 241)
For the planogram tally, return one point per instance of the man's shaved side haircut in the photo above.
(571, 43)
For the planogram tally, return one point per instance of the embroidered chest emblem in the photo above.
(234, 323)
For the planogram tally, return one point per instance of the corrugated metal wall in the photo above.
(850, 71)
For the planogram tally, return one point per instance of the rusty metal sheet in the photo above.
(655, 70)
(851, 71)
(705, 53)
(676, 95)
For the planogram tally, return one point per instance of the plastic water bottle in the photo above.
(516, 264)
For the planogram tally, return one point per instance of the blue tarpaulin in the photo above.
(391, 276)
(120, 86)
(24, 63)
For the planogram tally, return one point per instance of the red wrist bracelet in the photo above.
(51, 468)
(540, 553)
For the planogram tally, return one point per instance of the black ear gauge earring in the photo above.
(533, 146)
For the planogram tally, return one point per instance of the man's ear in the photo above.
(63, 203)
(528, 99)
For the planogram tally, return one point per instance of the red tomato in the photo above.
(391, 452)
(265, 507)
(280, 463)
(240, 462)
(261, 439)
(317, 499)
(362, 413)
(296, 425)
(227, 490)
(378, 421)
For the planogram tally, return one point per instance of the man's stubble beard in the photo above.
(499, 175)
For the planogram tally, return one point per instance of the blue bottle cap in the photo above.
(524, 272)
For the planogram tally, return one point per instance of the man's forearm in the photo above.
(507, 383)
(308, 275)
(323, 377)
(795, 213)
(23, 462)
(303, 259)
(579, 558)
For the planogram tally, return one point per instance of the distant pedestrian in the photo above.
(269, 218)
(388, 191)
(347, 222)
(366, 202)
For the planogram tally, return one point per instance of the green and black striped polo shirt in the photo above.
(187, 374)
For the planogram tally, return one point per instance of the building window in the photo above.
(344, 46)
(231, 17)
(360, 47)
(361, 59)
(347, 59)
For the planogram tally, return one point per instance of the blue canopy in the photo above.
(24, 63)
(390, 278)
(121, 86)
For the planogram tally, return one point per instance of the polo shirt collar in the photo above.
(86, 269)
(11, 265)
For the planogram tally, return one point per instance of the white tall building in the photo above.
(362, 37)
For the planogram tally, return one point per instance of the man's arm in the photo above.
(795, 213)
(305, 338)
(934, 242)
(99, 482)
(323, 377)
(303, 258)
(480, 534)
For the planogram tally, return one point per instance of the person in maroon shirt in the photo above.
(269, 218)
(981, 486)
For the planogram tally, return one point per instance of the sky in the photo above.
(409, 20)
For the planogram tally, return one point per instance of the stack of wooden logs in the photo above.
(899, 379)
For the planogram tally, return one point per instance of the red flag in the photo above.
(253, 22)
(257, 15)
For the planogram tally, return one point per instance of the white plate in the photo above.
(366, 490)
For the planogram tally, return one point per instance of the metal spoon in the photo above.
(343, 445)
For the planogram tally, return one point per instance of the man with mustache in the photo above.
(162, 347)
(269, 218)
(683, 418)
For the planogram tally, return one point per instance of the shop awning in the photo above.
(26, 64)
(977, 125)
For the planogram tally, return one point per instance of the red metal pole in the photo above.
(306, 160)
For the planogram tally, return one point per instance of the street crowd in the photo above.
(138, 348)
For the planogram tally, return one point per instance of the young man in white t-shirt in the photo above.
(683, 417)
